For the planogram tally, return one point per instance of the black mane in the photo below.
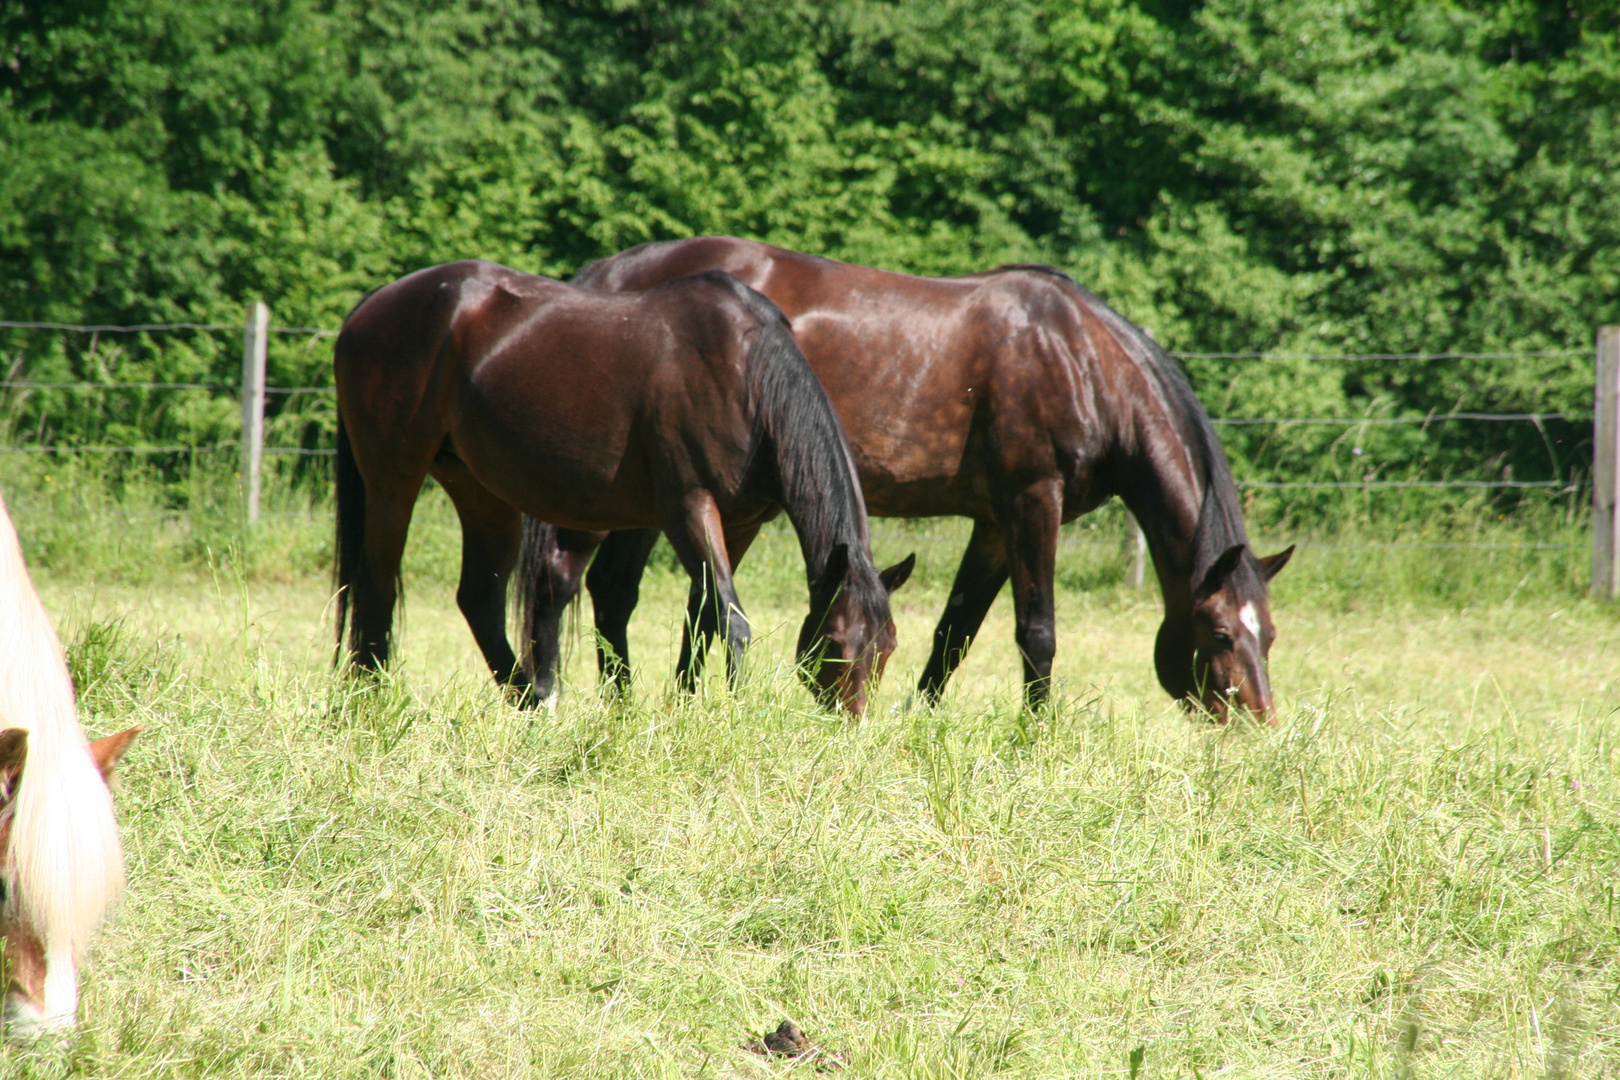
(802, 439)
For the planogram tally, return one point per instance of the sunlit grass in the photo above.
(1413, 874)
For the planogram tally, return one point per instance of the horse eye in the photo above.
(1223, 639)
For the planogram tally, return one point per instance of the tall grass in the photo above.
(119, 521)
(1413, 874)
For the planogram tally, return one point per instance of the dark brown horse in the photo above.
(1015, 398)
(686, 408)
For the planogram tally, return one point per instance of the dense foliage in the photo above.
(1286, 175)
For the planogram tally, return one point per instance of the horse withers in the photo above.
(686, 408)
(1017, 399)
(62, 864)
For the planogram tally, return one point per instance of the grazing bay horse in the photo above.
(61, 864)
(1015, 398)
(686, 408)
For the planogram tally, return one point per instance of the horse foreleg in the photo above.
(738, 541)
(614, 582)
(1032, 537)
(980, 577)
(702, 621)
(698, 537)
(29, 1011)
(556, 584)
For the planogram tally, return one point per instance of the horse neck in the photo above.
(1167, 483)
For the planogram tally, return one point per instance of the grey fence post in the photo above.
(1606, 467)
(255, 341)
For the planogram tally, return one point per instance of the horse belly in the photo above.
(567, 458)
(908, 410)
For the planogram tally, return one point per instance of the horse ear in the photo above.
(1219, 570)
(13, 755)
(1271, 565)
(898, 574)
(106, 752)
(836, 570)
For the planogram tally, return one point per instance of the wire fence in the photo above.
(1523, 354)
(144, 328)
(285, 392)
(1432, 418)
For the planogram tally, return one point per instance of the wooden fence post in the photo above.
(1606, 467)
(254, 345)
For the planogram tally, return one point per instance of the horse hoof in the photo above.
(25, 1023)
(542, 700)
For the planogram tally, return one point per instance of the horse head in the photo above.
(1214, 656)
(43, 992)
(847, 637)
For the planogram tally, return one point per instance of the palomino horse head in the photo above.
(43, 991)
(1215, 657)
(847, 637)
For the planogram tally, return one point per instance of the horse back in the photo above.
(948, 387)
(586, 407)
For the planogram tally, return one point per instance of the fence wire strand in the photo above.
(147, 328)
(304, 451)
(1229, 421)
(1434, 418)
(25, 384)
(1379, 356)
(1325, 484)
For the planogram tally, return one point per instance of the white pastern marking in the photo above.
(1250, 619)
(61, 989)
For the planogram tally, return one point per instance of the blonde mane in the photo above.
(64, 865)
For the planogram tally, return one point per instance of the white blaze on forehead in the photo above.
(1250, 619)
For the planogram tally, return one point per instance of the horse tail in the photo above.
(535, 553)
(64, 865)
(351, 535)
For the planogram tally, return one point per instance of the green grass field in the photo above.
(1412, 875)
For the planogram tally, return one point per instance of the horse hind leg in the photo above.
(376, 588)
(490, 535)
(980, 577)
(614, 582)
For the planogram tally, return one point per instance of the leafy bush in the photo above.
(1297, 176)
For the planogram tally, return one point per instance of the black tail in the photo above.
(353, 573)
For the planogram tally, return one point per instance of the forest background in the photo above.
(1287, 176)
